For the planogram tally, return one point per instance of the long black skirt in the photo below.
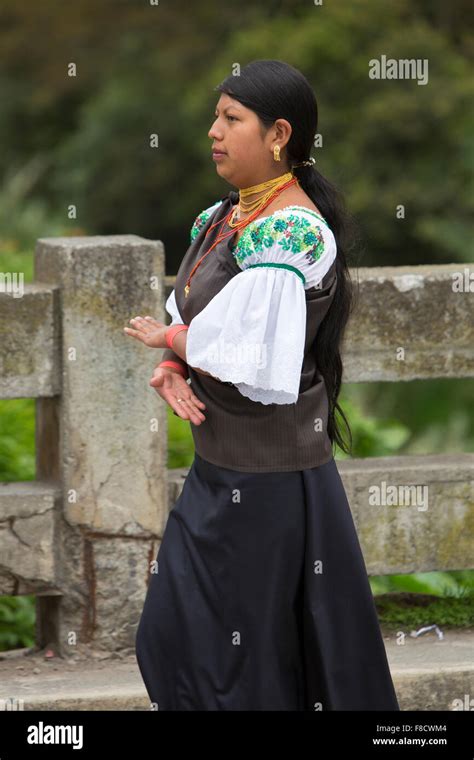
(261, 599)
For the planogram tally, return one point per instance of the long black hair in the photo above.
(275, 90)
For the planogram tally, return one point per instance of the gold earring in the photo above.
(276, 153)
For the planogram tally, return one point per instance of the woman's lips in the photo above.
(216, 155)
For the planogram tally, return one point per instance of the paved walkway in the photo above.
(429, 674)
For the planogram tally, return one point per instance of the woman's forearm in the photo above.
(179, 347)
(170, 355)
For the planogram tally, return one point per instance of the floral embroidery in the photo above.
(201, 220)
(293, 233)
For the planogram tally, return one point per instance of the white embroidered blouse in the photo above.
(252, 333)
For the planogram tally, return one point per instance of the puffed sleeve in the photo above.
(252, 332)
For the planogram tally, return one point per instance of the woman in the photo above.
(261, 600)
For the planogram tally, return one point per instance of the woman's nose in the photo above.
(213, 133)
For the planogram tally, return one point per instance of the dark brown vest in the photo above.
(238, 433)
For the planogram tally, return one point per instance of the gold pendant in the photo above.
(186, 291)
(234, 216)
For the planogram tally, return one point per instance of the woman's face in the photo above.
(247, 157)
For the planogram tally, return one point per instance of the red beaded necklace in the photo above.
(221, 236)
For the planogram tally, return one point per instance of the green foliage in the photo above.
(17, 439)
(180, 441)
(418, 417)
(24, 217)
(414, 611)
(12, 259)
(455, 584)
(17, 621)
(371, 436)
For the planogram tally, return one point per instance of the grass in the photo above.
(17, 439)
(180, 442)
(17, 622)
(441, 598)
(408, 610)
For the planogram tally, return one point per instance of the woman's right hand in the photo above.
(171, 385)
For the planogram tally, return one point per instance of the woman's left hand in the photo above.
(148, 331)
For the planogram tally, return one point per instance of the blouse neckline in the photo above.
(278, 211)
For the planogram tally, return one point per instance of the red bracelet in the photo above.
(180, 367)
(171, 332)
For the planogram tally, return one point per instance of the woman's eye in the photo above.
(231, 117)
